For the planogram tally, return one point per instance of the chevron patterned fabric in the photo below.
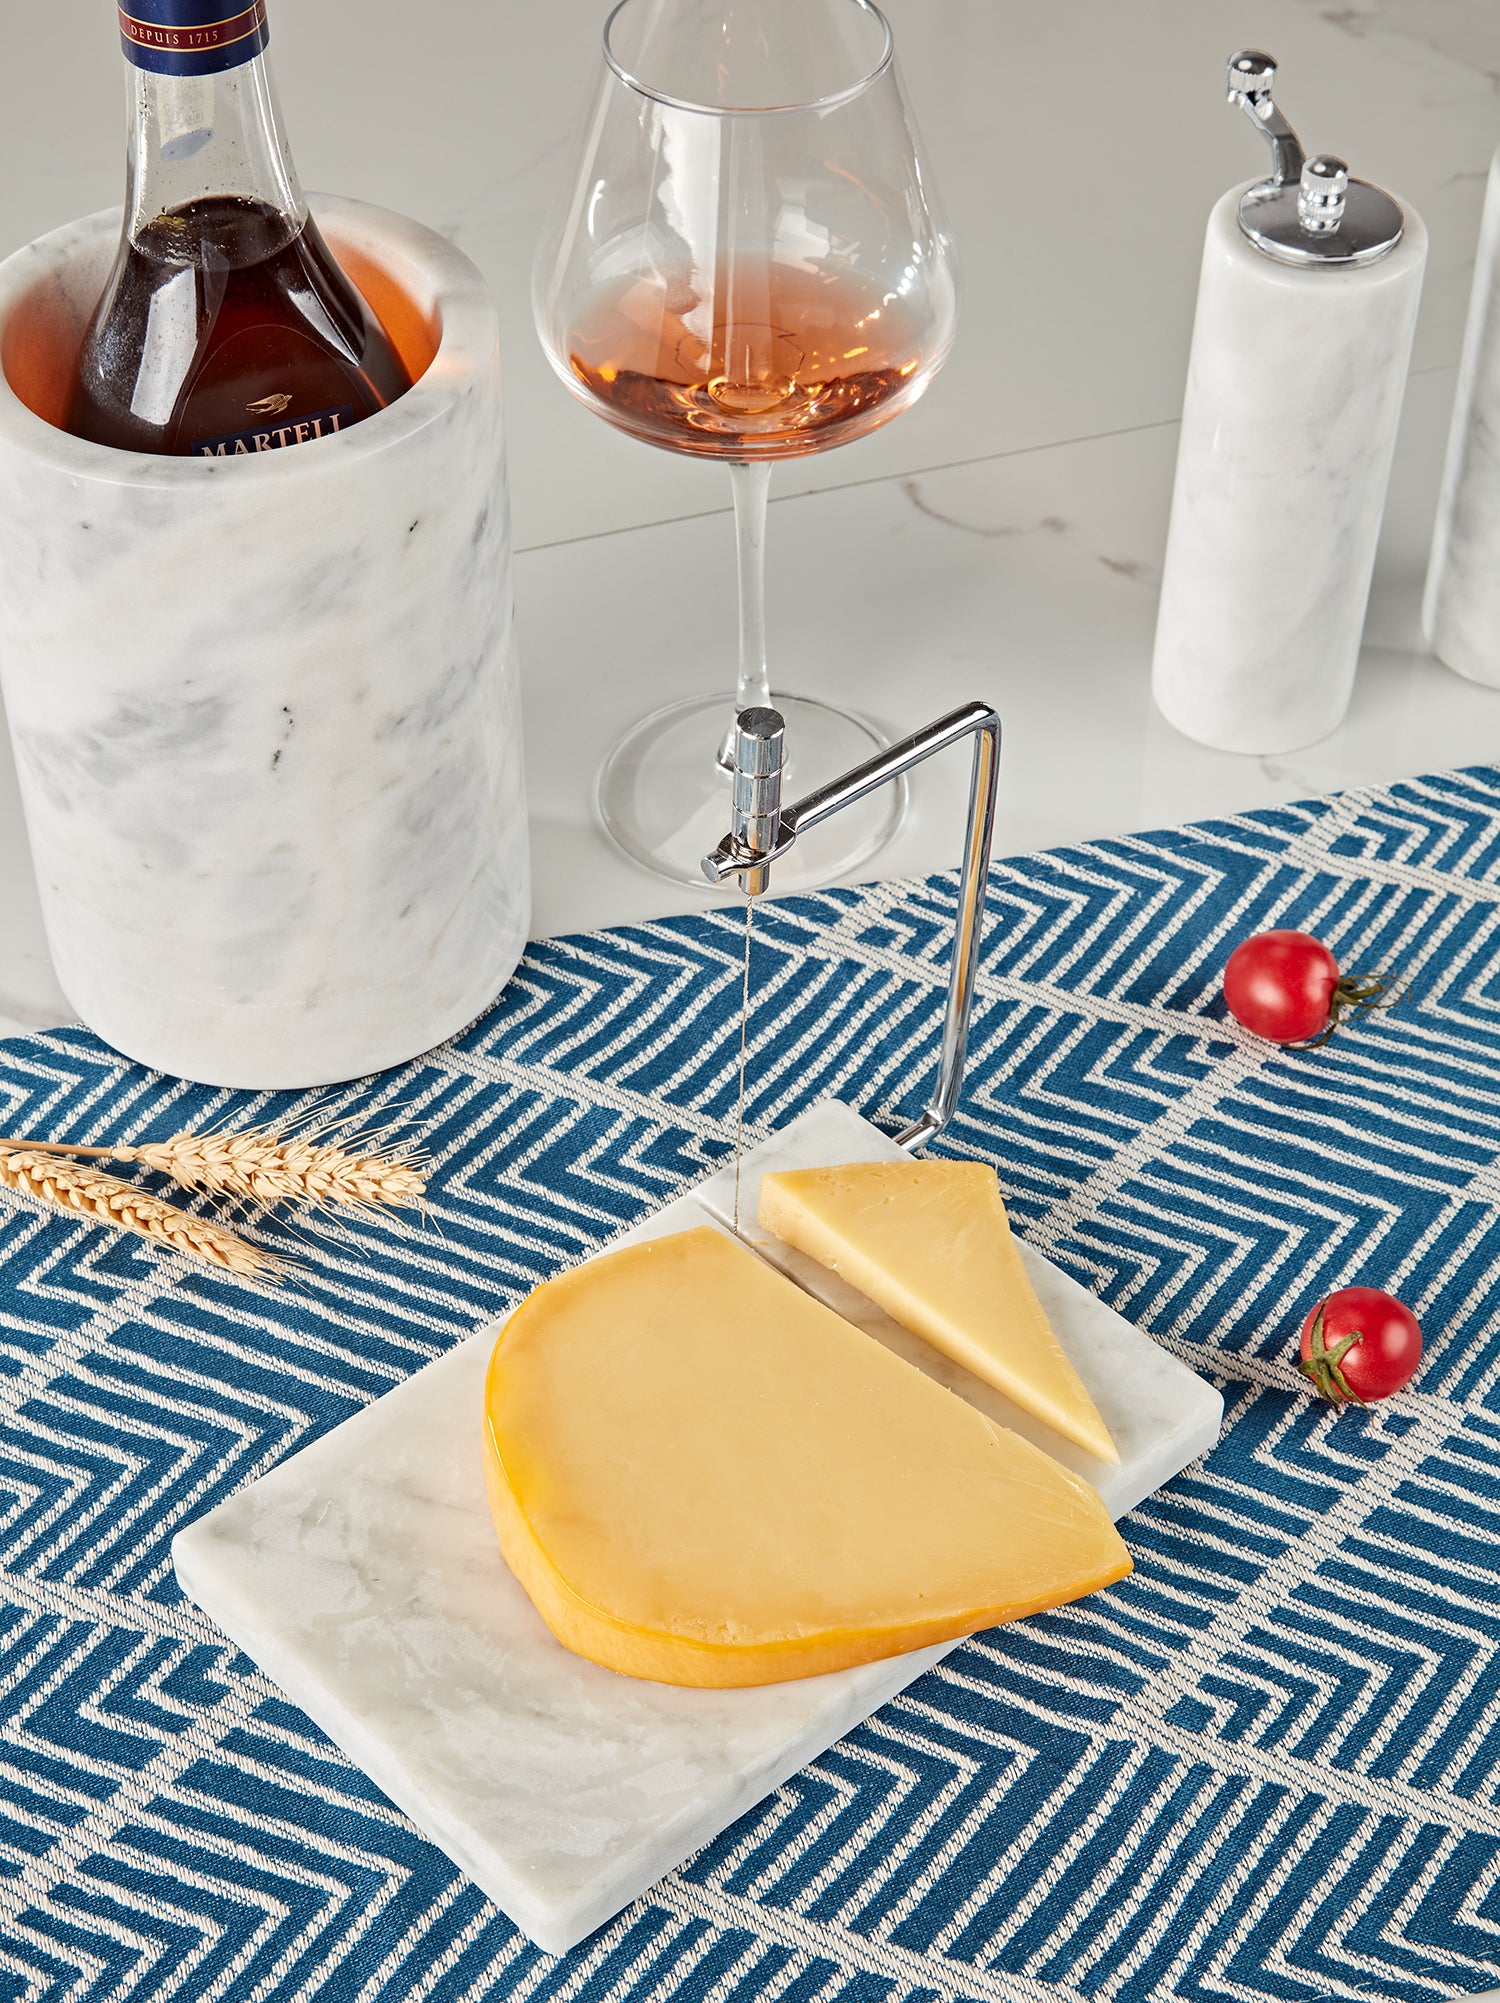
(1267, 1766)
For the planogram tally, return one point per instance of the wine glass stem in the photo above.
(749, 482)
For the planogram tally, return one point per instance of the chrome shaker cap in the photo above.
(1310, 211)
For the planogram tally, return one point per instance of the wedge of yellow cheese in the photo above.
(701, 1475)
(929, 1241)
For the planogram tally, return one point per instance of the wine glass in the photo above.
(749, 268)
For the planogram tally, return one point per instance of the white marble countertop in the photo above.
(1003, 538)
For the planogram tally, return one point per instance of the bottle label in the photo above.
(274, 436)
(190, 38)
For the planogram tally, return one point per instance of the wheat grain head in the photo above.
(105, 1199)
(272, 1166)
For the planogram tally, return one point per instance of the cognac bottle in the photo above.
(226, 327)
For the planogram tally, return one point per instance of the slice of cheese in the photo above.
(930, 1243)
(701, 1475)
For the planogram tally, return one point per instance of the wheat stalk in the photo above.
(105, 1199)
(271, 1165)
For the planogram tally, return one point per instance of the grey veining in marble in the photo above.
(265, 711)
(1288, 429)
(1461, 609)
(364, 1577)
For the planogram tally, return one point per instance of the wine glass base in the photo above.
(664, 799)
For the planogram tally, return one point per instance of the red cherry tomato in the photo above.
(1281, 985)
(1360, 1345)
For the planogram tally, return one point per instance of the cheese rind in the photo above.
(702, 1476)
(929, 1241)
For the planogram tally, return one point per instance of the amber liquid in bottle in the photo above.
(226, 327)
(776, 362)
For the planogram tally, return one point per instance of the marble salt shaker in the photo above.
(265, 711)
(1306, 310)
(1461, 608)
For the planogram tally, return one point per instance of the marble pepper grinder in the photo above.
(1306, 309)
(1461, 609)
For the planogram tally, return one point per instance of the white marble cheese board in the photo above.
(363, 1576)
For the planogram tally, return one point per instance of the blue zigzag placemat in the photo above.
(1265, 1767)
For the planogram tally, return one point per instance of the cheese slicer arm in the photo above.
(759, 839)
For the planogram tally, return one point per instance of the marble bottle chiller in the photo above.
(1306, 309)
(265, 711)
(1461, 608)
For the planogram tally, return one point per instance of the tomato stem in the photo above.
(1360, 994)
(1322, 1366)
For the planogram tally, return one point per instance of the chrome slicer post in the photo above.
(762, 832)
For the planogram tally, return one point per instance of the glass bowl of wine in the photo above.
(749, 267)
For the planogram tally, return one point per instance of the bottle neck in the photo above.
(197, 132)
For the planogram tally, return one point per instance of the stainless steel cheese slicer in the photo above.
(762, 831)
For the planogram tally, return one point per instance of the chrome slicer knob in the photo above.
(759, 755)
(758, 751)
